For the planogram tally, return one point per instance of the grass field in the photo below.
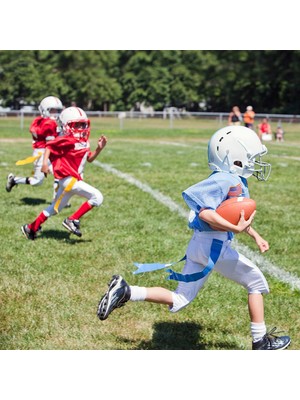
(50, 288)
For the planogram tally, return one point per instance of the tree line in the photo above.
(196, 80)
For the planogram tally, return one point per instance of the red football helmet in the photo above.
(74, 122)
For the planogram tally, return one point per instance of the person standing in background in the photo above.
(235, 116)
(249, 117)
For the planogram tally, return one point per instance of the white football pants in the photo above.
(230, 264)
(67, 189)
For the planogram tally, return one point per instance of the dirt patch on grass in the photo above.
(14, 140)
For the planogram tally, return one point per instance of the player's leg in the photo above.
(119, 292)
(38, 176)
(30, 230)
(35, 180)
(180, 298)
(94, 199)
(240, 269)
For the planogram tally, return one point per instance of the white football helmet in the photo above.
(50, 107)
(74, 122)
(238, 150)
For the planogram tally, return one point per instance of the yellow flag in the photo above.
(29, 160)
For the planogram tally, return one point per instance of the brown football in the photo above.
(231, 209)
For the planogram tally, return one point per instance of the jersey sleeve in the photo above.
(49, 130)
(60, 145)
(43, 129)
(207, 194)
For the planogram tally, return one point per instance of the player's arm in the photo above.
(49, 130)
(100, 146)
(45, 166)
(219, 223)
(262, 244)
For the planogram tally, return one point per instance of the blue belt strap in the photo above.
(215, 251)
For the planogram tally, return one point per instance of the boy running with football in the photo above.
(68, 155)
(234, 154)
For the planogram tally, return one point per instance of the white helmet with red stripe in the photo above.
(74, 122)
(50, 107)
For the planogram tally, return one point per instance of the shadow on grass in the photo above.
(179, 336)
(33, 202)
(60, 235)
(175, 336)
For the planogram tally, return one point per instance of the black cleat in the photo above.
(73, 225)
(272, 342)
(117, 295)
(10, 182)
(28, 233)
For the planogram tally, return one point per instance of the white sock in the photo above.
(258, 330)
(19, 180)
(138, 293)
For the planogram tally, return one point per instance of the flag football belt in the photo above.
(66, 190)
(30, 159)
(214, 255)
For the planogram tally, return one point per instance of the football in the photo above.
(231, 209)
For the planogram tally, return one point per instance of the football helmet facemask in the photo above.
(74, 122)
(238, 150)
(50, 107)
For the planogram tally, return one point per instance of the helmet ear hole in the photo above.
(238, 164)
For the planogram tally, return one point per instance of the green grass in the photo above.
(50, 288)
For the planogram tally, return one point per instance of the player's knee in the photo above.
(36, 181)
(259, 287)
(49, 212)
(179, 301)
(97, 199)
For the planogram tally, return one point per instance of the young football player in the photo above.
(234, 154)
(42, 129)
(68, 155)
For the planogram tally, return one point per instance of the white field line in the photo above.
(161, 198)
(287, 157)
(265, 265)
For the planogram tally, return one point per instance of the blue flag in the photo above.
(154, 266)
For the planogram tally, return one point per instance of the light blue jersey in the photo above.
(210, 193)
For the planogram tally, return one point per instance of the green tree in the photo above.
(117, 80)
(28, 76)
(91, 77)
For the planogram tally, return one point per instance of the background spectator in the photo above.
(265, 130)
(279, 133)
(235, 116)
(249, 117)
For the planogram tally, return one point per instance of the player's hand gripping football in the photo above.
(243, 224)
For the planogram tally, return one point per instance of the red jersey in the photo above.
(68, 156)
(264, 127)
(42, 129)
